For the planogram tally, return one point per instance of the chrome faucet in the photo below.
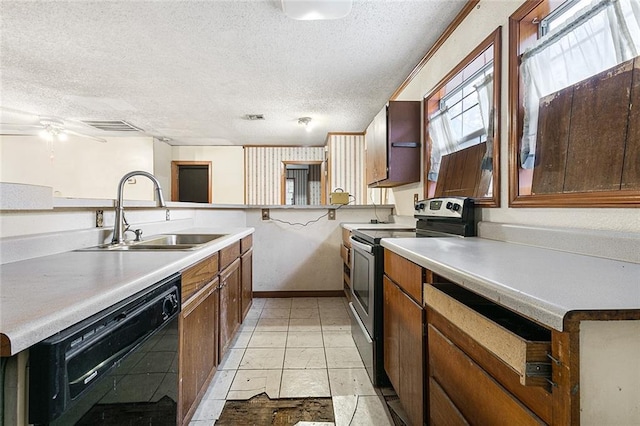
(118, 227)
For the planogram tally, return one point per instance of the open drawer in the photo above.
(518, 342)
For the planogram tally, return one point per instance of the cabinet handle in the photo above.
(405, 144)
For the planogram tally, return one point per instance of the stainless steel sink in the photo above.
(162, 242)
(180, 239)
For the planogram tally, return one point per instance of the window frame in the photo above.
(523, 31)
(494, 40)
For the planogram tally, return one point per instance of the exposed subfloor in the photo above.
(296, 348)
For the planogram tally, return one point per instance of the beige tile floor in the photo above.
(295, 348)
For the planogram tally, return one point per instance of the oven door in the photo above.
(362, 282)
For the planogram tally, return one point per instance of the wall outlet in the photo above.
(167, 215)
(99, 218)
(332, 214)
(415, 198)
(265, 214)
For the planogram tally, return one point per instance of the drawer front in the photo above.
(246, 243)
(443, 411)
(197, 276)
(346, 234)
(345, 254)
(476, 394)
(405, 273)
(512, 349)
(538, 399)
(229, 254)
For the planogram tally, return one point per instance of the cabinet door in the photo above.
(410, 359)
(229, 305)
(198, 348)
(391, 312)
(376, 143)
(247, 282)
(403, 349)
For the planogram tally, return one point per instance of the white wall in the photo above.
(483, 20)
(162, 153)
(227, 163)
(302, 258)
(78, 167)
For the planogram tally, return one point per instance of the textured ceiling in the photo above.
(191, 70)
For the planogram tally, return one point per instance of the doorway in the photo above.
(302, 183)
(191, 181)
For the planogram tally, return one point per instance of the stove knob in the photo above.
(449, 205)
(421, 205)
(456, 207)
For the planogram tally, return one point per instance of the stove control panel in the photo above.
(446, 207)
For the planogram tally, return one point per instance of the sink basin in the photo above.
(180, 239)
(161, 242)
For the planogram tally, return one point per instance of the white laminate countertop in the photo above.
(539, 283)
(42, 296)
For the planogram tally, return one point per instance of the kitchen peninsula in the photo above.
(550, 336)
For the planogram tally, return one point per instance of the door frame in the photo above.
(175, 169)
(323, 177)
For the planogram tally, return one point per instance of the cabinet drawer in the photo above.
(405, 273)
(476, 394)
(443, 411)
(197, 276)
(521, 344)
(229, 254)
(246, 243)
(346, 234)
(345, 255)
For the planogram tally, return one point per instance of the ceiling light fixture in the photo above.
(53, 129)
(310, 10)
(304, 121)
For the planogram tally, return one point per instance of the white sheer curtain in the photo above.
(442, 141)
(597, 38)
(485, 101)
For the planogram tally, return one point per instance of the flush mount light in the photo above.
(309, 10)
(305, 121)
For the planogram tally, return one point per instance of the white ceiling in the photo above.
(191, 70)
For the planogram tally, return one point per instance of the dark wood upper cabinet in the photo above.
(393, 145)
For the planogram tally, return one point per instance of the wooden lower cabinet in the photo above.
(198, 328)
(229, 305)
(471, 390)
(443, 411)
(246, 295)
(403, 349)
(213, 305)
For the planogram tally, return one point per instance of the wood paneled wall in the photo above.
(347, 165)
(263, 166)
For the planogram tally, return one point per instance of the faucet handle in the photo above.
(138, 233)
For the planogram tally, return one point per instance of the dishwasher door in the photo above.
(118, 366)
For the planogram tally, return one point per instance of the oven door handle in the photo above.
(360, 246)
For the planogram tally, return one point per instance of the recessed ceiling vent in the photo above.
(113, 126)
(254, 116)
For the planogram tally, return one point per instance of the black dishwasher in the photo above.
(118, 367)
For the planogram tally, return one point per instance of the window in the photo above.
(552, 47)
(460, 113)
